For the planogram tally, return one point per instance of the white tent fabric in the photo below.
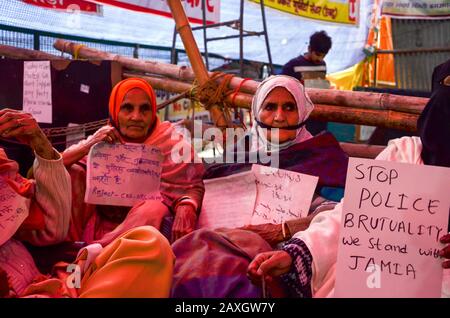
(288, 34)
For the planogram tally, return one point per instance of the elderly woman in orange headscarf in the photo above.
(132, 110)
(139, 263)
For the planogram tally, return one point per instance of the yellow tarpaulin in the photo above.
(348, 78)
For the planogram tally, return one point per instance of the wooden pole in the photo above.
(358, 116)
(182, 73)
(200, 71)
(146, 66)
(367, 100)
(185, 32)
(19, 53)
(242, 100)
(369, 115)
(322, 112)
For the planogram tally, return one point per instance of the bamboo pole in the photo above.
(382, 118)
(146, 66)
(182, 73)
(367, 100)
(242, 100)
(385, 118)
(19, 53)
(195, 58)
(358, 116)
(341, 114)
(185, 32)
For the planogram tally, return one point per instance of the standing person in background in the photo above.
(311, 61)
(313, 64)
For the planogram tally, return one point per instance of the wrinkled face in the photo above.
(280, 110)
(316, 57)
(135, 116)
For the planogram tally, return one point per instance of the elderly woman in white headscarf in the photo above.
(280, 109)
(307, 263)
(280, 102)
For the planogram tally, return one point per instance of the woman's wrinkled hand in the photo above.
(106, 133)
(23, 127)
(268, 265)
(185, 220)
(272, 233)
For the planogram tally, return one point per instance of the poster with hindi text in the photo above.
(260, 195)
(282, 195)
(37, 90)
(13, 210)
(123, 174)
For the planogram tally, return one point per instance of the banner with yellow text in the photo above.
(339, 11)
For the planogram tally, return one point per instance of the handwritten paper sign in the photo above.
(261, 195)
(13, 211)
(123, 174)
(228, 201)
(37, 90)
(282, 195)
(393, 216)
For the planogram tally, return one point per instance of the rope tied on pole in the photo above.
(76, 51)
(212, 93)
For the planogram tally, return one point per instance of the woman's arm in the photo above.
(78, 151)
(54, 195)
(274, 233)
(52, 187)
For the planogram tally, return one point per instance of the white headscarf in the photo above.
(304, 108)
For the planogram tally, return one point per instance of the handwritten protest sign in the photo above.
(228, 201)
(282, 195)
(13, 211)
(123, 174)
(37, 90)
(393, 217)
(261, 195)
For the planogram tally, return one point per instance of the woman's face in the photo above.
(135, 116)
(278, 110)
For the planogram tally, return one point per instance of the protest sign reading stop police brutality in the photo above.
(123, 174)
(393, 216)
